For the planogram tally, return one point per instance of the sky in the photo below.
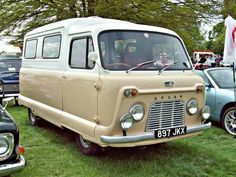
(6, 47)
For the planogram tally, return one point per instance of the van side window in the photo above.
(51, 47)
(30, 48)
(80, 49)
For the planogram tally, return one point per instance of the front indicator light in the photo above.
(126, 121)
(192, 107)
(137, 112)
(130, 92)
(206, 112)
(200, 89)
(20, 150)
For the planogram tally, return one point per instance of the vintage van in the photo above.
(114, 83)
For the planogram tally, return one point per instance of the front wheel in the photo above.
(33, 119)
(87, 147)
(229, 120)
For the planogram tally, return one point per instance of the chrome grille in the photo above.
(11, 87)
(165, 115)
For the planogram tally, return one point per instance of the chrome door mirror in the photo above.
(92, 56)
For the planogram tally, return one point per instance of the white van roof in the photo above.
(77, 25)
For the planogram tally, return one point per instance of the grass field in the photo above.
(51, 152)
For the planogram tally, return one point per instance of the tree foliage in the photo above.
(183, 16)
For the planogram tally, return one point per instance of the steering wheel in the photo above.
(118, 65)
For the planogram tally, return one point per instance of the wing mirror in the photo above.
(93, 56)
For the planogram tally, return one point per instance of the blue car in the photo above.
(220, 96)
(9, 77)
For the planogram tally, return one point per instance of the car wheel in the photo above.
(87, 147)
(33, 119)
(229, 120)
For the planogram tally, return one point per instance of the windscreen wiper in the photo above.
(141, 64)
(167, 66)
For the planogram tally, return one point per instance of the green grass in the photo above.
(51, 151)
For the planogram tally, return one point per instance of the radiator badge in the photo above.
(169, 83)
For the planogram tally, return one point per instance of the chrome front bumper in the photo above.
(147, 136)
(7, 169)
(9, 95)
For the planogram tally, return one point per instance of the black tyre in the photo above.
(16, 102)
(33, 119)
(229, 120)
(87, 147)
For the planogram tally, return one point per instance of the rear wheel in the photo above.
(33, 119)
(229, 120)
(87, 147)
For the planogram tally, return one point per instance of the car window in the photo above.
(202, 74)
(10, 65)
(51, 46)
(30, 49)
(121, 50)
(80, 49)
(222, 77)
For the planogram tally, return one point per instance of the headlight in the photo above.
(126, 121)
(206, 112)
(137, 112)
(6, 145)
(192, 107)
(3, 146)
(1, 88)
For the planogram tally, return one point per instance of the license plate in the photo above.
(169, 132)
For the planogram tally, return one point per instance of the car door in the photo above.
(79, 92)
(210, 93)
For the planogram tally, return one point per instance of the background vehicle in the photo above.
(11, 159)
(9, 77)
(220, 96)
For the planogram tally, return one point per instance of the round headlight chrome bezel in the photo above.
(4, 146)
(9, 140)
(137, 111)
(206, 113)
(192, 107)
(126, 121)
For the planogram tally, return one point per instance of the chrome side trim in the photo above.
(147, 136)
(7, 169)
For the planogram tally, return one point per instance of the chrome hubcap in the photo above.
(230, 122)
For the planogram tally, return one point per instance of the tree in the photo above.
(183, 16)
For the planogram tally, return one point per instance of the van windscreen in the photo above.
(122, 50)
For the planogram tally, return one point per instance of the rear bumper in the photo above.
(7, 169)
(148, 135)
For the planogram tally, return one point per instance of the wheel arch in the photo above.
(226, 106)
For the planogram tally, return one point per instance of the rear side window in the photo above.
(30, 48)
(51, 47)
(80, 49)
